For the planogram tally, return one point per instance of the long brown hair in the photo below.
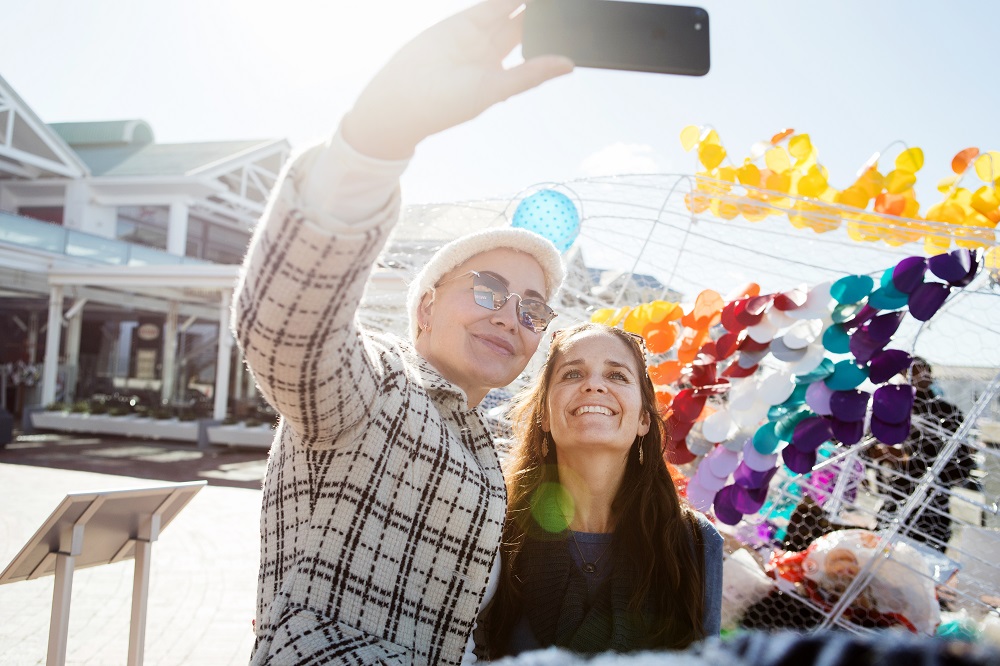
(654, 529)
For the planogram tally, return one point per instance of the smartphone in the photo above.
(608, 34)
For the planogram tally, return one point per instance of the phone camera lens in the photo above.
(697, 26)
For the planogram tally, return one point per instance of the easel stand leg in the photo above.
(140, 594)
(59, 622)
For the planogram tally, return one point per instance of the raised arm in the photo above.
(306, 268)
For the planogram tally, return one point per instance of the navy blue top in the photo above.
(594, 548)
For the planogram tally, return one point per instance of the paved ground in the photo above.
(204, 567)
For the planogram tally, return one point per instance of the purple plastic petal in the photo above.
(750, 478)
(890, 433)
(699, 496)
(722, 462)
(893, 403)
(884, 326)
(756, 460)
(863, 345)
(848, 432)
(951, 267)
(797, 460)
(974, 267)
(927, 298)
(810, 433)
(748, 501)
(909, 273)
(818, 397)
(887, 364)
(849, 405)
(725, 506)
(860, 317)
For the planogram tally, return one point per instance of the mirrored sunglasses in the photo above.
(492, 294)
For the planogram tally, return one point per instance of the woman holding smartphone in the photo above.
(599, 552)
(383, 499)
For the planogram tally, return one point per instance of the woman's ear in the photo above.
(543, 420)
(644, 422)
(425, 310)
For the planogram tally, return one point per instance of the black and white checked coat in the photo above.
(384, 499)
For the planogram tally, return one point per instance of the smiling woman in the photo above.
(599, 551)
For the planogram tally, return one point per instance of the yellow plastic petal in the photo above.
(800, 146)
(778, 182)
(872, 182)
(690, 136)
(812, 185)
(752, 209)
(854, 196)
(910, 160)
(749, 175)
(777, 160)
(988, 166)
(711, 155)
(986, 203)
(727, 174)
(712, 137)
(899, 181)
(946, 183)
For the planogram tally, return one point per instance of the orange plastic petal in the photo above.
(782, 135)
(963, 159)
(665, 373)
(660, 340)
(690, 344)
(890, 204)
(706, 310)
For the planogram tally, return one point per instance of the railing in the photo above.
(37, 235)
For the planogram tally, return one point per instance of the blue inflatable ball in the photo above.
(549, 214)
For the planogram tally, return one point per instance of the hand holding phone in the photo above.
(642, 37)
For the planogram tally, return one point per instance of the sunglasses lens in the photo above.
(489, 292)
(536, 315)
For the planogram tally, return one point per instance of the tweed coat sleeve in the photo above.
(294, 310)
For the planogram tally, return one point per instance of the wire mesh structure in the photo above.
(874, 535)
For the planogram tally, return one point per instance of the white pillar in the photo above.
(222, 361)
(73, 329)
(177, 229)
(169, 371)
(52, 339)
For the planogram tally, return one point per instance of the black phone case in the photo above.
(642, 37)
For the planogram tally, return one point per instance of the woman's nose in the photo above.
(507, 314)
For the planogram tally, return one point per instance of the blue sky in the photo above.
(856, 75)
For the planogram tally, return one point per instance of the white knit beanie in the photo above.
(464, 248)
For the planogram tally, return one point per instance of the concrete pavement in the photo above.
(203, 569)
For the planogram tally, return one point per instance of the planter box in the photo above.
(126, 426)
(238, 434)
